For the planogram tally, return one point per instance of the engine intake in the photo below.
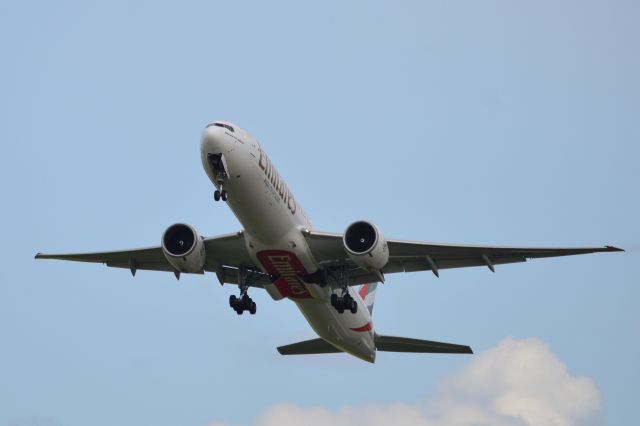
(366, 246)
(184, 248)
(360, 237)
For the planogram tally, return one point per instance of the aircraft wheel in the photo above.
(253, 308)
(340, 309)
(334, 300)
(216, 195)
(354, 307)
(246, 302)
(233, 301)
(223, 195)
(239, 310)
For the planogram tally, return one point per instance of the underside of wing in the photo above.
(149, 258)
(225, 254)
(410, 256)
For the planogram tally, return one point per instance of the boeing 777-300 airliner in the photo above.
(280, 252)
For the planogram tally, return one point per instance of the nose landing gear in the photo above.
(220, 195)
(218, 167)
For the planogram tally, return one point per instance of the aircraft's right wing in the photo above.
(411, 256)
(225, 254)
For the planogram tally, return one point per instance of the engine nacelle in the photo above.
(184, 248)
(366, 246)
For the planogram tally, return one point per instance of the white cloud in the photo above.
(518, 382)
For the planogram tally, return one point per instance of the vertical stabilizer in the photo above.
(368, 294)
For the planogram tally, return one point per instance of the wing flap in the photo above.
(413, 265)
(405, 344)
(146, 266)
(309, 347)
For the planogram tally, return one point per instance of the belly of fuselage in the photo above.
(272, 224)
(351, 333)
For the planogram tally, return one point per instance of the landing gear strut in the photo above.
(244, 302)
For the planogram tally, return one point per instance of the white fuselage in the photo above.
(273, 227)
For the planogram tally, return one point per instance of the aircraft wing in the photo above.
(225, 254)
(411, 256)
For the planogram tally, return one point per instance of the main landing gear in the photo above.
(242, 303)
(344, 303)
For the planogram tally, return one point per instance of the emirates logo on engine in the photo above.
(286, 266)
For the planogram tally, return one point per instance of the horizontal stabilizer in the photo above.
(404, 344)
(309, 347)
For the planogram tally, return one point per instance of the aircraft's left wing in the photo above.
(225, 254)
(410, 256)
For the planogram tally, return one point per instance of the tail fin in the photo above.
(368, 294)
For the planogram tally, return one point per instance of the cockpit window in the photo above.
(226, 126)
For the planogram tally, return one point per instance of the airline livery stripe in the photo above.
(367, 327)
(364, 290)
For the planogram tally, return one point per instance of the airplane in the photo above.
(331, 277)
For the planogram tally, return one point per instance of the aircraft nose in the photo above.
(213, 139)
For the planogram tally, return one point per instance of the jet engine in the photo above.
(184, 248)
(366, 246)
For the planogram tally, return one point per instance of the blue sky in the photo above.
(491, 122)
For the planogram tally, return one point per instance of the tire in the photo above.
(354, 307)
(239, 311)
(223, 195)
(253, 308)
(216, 195)
(334, 300)
(246, 302)
(340, 309)
(233, 300)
